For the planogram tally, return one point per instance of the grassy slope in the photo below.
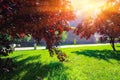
(85, 63)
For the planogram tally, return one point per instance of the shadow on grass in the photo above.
(118, 46)
(100, 54)
(30, 69)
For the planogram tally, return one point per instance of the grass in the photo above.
(84, 63)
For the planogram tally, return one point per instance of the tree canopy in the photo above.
(106, 23)
(43, 19)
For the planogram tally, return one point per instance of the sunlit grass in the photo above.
(84, 63)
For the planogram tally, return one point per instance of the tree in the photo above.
(43, 19)
(107, 23)
(8, 10)
(46, 20)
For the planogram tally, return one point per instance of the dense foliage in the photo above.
(107, 23)
(43, 19)
(8, 10)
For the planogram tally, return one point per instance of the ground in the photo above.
(83, 63)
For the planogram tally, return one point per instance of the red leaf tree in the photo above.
(107, 23)
(8, 9)
(43, 19)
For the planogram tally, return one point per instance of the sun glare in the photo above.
(88, 7)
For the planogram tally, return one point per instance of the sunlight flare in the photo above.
(88, 7)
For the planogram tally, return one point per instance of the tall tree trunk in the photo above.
(112, 42)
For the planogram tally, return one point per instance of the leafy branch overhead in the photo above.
(39, 18)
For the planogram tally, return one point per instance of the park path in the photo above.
(65, 46)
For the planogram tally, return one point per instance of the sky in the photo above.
(85, 8)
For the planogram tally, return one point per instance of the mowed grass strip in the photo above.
(83, 63)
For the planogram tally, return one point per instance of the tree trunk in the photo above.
(113, 46)
(112, 41)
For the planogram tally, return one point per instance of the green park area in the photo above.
(59, 39)
(82, 63)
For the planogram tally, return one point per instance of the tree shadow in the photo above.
(27, 70)
(118, 46)
(49, 71)
(100, 54)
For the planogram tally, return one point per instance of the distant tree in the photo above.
(107, 23)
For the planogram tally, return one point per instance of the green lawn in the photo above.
(84, 63)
